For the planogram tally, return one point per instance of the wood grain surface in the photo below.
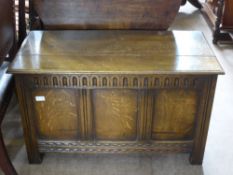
(115, 114)
(104, 14)
(56, 115)
(110, 52)
(174, 114)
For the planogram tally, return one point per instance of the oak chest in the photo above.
(115, 91)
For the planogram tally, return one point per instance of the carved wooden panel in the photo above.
(56, 113)
(174, 114)
(86, 117)
(114, 147)
(115, 81)
(115, 114)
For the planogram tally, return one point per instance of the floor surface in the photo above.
(218, 159)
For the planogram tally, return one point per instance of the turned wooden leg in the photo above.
(217, 33)
(5, 162)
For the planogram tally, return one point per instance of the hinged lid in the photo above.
(110, 52)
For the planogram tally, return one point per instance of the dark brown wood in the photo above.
(28, 125)
(228, 14)
(195, 3)
(211, 8)
(115, 91)
(7, 29)
(219, 14)
(218, 22)
(104, 14)
(7, 52)
(22, 21)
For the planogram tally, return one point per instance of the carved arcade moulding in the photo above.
(115, 81)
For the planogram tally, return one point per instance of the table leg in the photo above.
(217, 31)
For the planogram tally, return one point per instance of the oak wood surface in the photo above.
(115, 51)
(174, 106)
(50, 114)
(115, 114)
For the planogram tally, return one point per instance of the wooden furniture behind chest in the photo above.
(211, 9)
(220, 15)
(115, 91)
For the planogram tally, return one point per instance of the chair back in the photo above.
(103, 14)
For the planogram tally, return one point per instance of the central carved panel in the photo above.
(115, 114)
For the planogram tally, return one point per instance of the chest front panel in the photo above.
(130, 108)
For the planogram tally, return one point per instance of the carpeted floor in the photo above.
(218, 158)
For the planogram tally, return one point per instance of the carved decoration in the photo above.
(55, 81)
(145, 115)
(116, 81)
(85, 114)
(74, 81)
(94, 81)
(114, 147)
(46, 83)
(177, 82)
(135, 82)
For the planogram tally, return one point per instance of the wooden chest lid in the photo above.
(114, 52)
